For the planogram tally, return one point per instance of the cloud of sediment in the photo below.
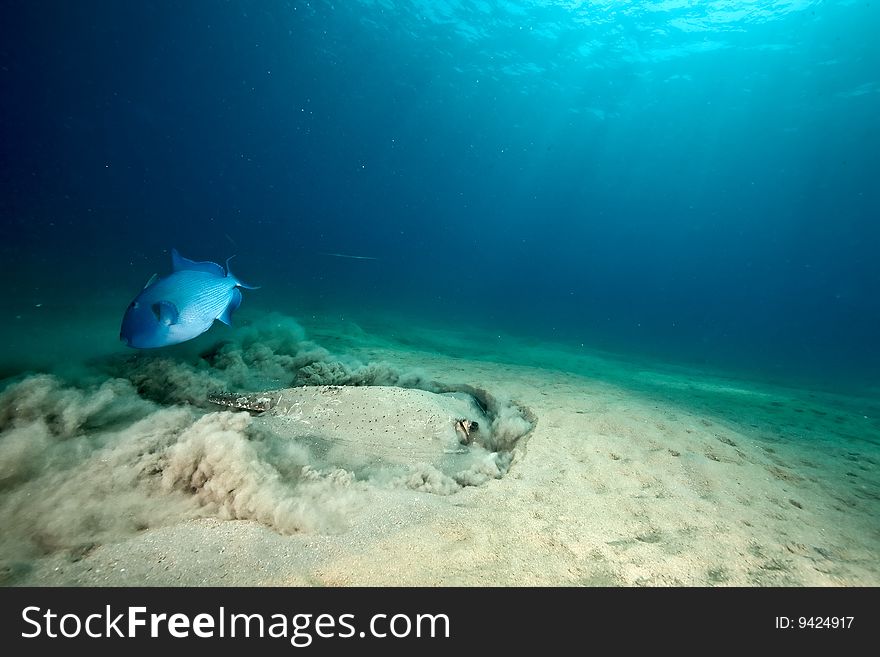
(135, 445)
(229, 475)
(84, 467)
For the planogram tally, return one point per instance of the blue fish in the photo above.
(182, 305)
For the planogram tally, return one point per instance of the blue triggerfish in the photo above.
(182, 305)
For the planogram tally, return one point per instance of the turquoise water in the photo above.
(687, 181)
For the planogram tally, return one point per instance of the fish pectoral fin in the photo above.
(166, 312)
(234, 303)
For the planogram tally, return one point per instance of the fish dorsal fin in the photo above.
(152, 280)
(179, 263)
(166, 312)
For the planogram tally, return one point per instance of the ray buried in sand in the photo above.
(83, 465)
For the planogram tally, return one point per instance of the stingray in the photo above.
(356, 427)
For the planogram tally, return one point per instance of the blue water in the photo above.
(694, 181)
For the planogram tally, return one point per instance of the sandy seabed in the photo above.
(606, 472)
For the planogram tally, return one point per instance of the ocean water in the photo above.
(691, 181)
(684, 187)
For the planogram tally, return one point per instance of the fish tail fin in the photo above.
(238, 281)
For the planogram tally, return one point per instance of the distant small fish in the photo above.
(345, 255)
(182, 305)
